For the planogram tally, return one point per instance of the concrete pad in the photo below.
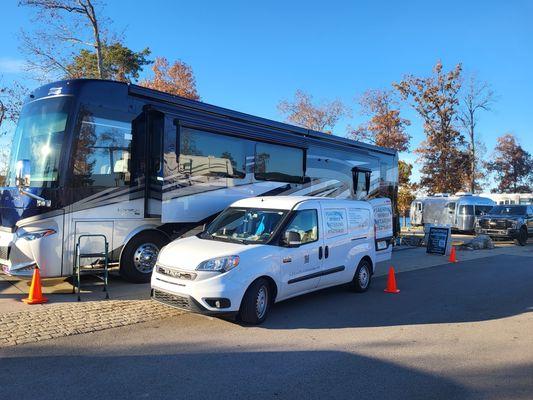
(59, 290)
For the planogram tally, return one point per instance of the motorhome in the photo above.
(142, 167)
(510, 198)
(267, 249)
(458, 211)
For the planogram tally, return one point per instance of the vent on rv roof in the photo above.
(463, 194)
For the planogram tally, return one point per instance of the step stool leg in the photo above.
(78, 262)
(106, 269)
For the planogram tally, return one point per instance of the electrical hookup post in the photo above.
(438, 239)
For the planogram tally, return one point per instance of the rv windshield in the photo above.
(39, 138)
(244, 225)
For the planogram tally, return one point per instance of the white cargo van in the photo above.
(267, 249)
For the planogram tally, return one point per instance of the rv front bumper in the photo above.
(20, 256)
(15, 256)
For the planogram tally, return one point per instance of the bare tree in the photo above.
(319, 117)
(478, 97)
(11, 99)
(73, 22)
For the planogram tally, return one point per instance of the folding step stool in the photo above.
(101, 273)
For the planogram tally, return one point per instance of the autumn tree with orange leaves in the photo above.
(177, 79)
(302, 111)
(386, 127)
(442, 154)
(513, 166)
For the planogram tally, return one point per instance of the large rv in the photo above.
(459, 211)
(143, 167)
(510, 198)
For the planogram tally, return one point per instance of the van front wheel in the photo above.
(362, 277)
(255, 304)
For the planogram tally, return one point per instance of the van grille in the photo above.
(171, 299)
(4, 252)
(174, 273)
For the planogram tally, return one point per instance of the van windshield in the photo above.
(244, 225)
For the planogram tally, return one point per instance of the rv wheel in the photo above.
(140, 254)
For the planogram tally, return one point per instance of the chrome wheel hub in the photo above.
(145, 257)
(261, 302)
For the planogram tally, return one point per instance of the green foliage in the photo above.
(119, 62)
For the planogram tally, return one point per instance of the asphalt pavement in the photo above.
(456, 331)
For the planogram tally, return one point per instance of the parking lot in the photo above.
(455, 331)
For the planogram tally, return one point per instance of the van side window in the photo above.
(304, 223)
(278, 163)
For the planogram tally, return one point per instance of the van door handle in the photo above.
(326, 255)
(320, 253)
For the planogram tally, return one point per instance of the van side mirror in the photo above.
(22, 174)
(292, 239)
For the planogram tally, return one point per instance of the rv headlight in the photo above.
(36, 234)
(219, 264)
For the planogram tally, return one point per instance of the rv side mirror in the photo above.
(22, 174)
(292, 239)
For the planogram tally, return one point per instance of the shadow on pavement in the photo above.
(219, 375)
(476, 290)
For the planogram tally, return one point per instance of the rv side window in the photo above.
(103, 152)
(278, 163)
(419, 206)
(361, 182)
(211, 154)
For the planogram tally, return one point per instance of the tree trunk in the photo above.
(472, 160)
(97, 40)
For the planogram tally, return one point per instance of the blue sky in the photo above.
(249, 55)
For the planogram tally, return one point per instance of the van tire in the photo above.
(148, 241)
(255, 304)
(521, 240)
(362, 277)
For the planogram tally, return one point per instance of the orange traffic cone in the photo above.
(36, 294)
(453, 256)
(391, 282)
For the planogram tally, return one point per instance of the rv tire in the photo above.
(138, 256)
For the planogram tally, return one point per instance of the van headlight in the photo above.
(219, 264)
(36, 234)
